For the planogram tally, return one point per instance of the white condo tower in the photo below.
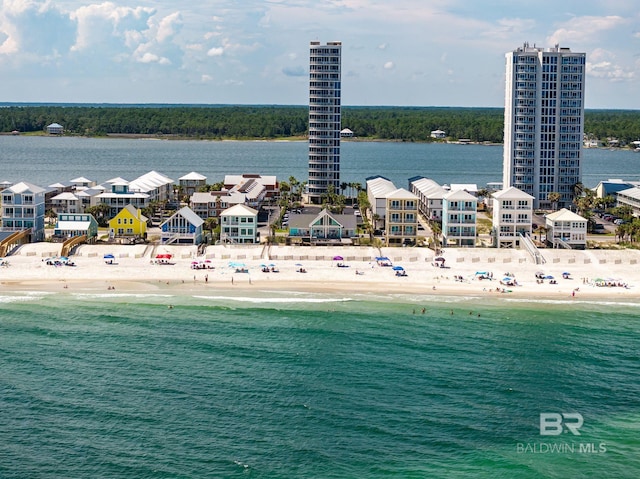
(324, 118)
(544, 122)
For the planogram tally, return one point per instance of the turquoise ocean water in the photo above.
(284, 385)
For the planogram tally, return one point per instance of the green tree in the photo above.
(553, 198)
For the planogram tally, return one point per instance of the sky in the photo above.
(395, 52)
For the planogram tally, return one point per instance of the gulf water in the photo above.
(284, 385)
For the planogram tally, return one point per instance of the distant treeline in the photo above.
(270, 122)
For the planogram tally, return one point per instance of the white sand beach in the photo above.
(135, 268)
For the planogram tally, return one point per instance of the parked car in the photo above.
(619, 221)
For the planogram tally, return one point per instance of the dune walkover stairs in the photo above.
(532, 249)
(71, 243)
(13, 240)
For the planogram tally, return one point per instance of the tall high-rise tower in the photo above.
(324, 118)
(544, 122)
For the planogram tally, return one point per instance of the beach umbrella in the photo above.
(548, 277)
(338, 258)
(109, 256)
(506, 279)
(439, 258)
(397, 268)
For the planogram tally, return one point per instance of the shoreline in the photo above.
(177, 137)
(136, 271)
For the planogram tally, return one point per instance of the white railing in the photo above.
(531, 248)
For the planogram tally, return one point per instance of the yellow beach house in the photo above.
(128, 222)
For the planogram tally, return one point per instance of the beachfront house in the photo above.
(401, 222)
(69, 225)
(378, 187)
(157, 186)
(512, 217)
(323, 227)
(459, 209)
(191, 183)
(239, 224)
(183, 227)
(438, 134)
(22, 209)
(566, 229)
(430, 195)
(120, 196)
(129, 222)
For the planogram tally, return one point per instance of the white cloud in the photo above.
(507, 28)
(108, 25)
(262, 45)
(215, 52)
(168, 26)
(585, 30)
(603, 64)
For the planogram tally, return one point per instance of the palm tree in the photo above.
(50, 215)
(436, 230)
(541, 229)
(210, 224)
(553, 198)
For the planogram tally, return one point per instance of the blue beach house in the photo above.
(184, 227)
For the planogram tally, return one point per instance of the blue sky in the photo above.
(395, 52)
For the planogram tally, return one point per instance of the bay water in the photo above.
(47, 160)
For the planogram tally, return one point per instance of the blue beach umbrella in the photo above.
(109, 256)
(397, 268)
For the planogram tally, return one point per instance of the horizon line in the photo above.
(220, 105)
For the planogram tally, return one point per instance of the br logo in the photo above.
(554, 424)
